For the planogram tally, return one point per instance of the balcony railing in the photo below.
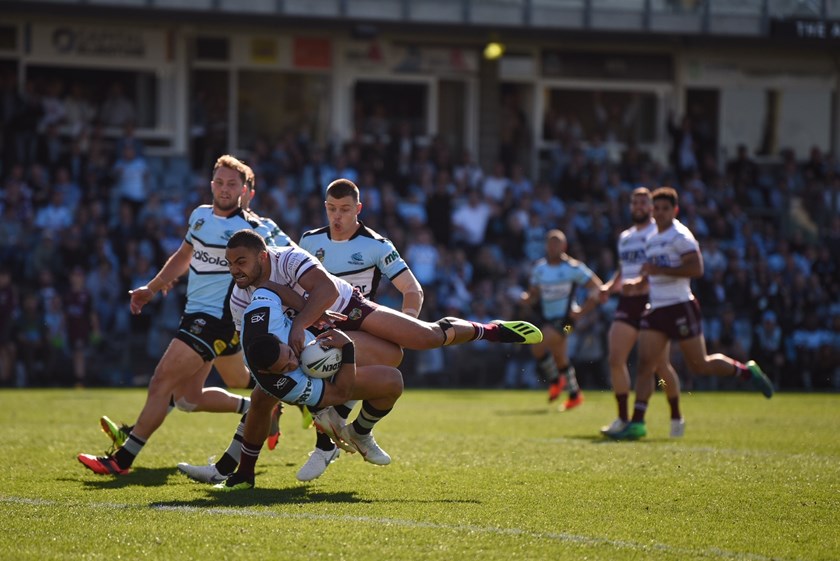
(716, 17)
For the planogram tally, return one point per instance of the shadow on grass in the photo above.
(261, 497)
(140, 477)
(599, 439)
(523, 412)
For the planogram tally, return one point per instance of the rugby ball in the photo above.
(318, 361)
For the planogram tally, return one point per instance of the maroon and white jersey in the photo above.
(631, 250)
(665, 249)
(288, 265)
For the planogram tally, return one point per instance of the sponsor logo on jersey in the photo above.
(228, 234)
(283, 385)
(393, 256)
(206, 257)
(307, 391)
(197, 326)
(320, 254)
(357, 259)
(354, 314)
(219, 346)
(198, 224)
(257, 317)
(660, 260)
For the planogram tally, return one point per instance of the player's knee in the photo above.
(182, 404)
(395, 384)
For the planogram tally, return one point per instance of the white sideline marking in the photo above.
(711, 552)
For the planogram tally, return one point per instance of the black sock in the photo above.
(639, 410)
(342, 410)
(126, 454)
(674, 402)
(368, 416)
(323, 442)
(621, 398)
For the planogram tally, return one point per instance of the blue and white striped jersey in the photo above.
(265, 315)
(557, 284)
(209, 282)
(361, 260)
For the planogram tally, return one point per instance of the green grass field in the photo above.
(476, 475)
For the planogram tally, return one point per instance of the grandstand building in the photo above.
(221, 73)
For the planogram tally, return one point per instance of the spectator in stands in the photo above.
(470, 221)
(768, 347)
(82, 324)
(131, 176)
(496, 184)
(117, 109)
(30, 337)
(78, 110)
(8, 312)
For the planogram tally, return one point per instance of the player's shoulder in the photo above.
(365, 232)
(575, 263)
(682, 230)
(322, 231)
(541, 263)
(253, 219)
(201, 211)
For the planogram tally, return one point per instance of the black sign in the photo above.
(800, 28)
(619, 66)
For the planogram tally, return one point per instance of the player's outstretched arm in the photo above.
(177, 264)
(412, 292)
(594, 297)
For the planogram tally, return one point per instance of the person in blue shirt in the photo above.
(553, 284)
(206, 335)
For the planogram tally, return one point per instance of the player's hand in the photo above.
(647, 269)
(140, 297)
(297, 338)
(329, 319)
(333, 338)
(604, 293)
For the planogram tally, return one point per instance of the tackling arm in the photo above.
(412, 292)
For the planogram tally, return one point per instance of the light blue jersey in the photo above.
(265, 315)
(361, 260)
(209, 282)
(272, 234)
(557, 284)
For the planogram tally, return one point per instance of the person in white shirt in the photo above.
(672, 259)
(625, 327)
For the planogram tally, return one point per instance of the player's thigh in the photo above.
(401, 329)
(622, 336)
(376, 382)
(555, 341)
(191, 388)
(371, 349)
(179, 363)
(233, 371)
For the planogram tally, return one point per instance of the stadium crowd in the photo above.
(85, 217)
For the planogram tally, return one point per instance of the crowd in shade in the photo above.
(86, 217)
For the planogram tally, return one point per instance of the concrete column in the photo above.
(489, 126)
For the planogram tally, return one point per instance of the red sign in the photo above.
(312, 52)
